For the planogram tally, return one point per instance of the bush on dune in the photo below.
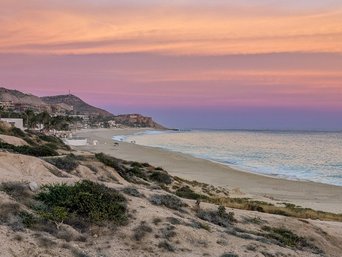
(37, 151)
(187, 192)
(87, 200)
(219, 217)
(68, 163)
(161, 177)
(169, 201)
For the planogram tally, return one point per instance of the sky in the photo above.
(250, 64)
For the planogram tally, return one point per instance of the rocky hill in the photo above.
(80, 107)
(137, 120)
(17, 97)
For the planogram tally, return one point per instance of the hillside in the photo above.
(98, 205)
(17, 97)
(68, 104)
(137, 120)
(80, 107)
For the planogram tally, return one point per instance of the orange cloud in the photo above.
(168, 30)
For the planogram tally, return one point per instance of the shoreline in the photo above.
(241, 183)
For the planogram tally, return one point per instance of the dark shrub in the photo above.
(38, 151)
(229, 255)
(7, 211)
(132, 191)
(27, 219)
(86, 199)
(68, 163)
(17, 190)
(137, 164)
(52, 140)
(169, 201)
(187, 192)
(116, 164)
(167, 246)
(141, 231)
(161, 177)
(17, 132)
(136, 171)
(219, 217)
(119, 165)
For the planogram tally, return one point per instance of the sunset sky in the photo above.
(213, 64)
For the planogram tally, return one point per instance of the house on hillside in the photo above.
(7, 105)
(18, 123)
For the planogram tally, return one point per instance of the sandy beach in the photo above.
(240, 183)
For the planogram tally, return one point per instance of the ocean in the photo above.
(310, 156)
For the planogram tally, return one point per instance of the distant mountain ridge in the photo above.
(79, 106)
(15, 96)
(68, 104)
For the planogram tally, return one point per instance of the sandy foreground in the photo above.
(241, 184)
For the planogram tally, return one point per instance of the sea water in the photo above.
(311, 156)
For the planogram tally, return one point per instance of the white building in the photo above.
(75, 141)
(18, 123)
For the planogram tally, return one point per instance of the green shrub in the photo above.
(137, 164)
(169, 201)
(57, 214)
(68, 163)
(187, 192)
(53, 141)
(112, 162)
(135, 171)
(38, 151)
(118, 165)
(88, 200)
(27, 219)
(17, 132)
(161, 177)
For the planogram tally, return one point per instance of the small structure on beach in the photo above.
(76, 141)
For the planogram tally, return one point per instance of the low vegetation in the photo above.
(219, 217)
(293, 211)
(67, 163)
(229, 255)
(17, 190)
(285, 237)
(37, 151)
(187, 192)
(161, 177)
(169, 201)
(86, 200)
(135, 171)
(52, 141)
(141, 231)
(132, 191)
